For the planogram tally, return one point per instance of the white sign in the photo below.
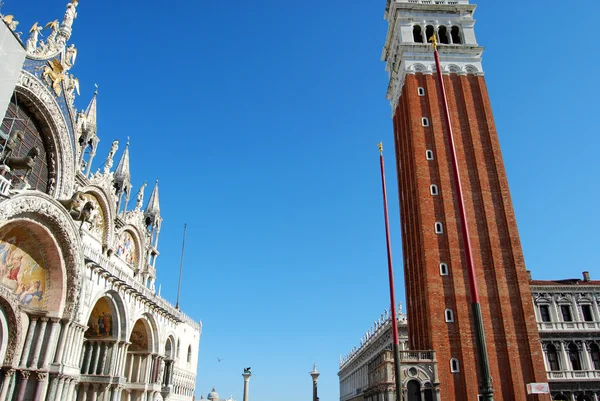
(538, 388)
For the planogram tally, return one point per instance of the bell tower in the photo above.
(438, 290)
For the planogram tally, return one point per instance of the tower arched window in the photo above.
(454, 365)
(178, 348)
(421, 91)
(574, 357)
(443, 34)
(429, 31)
(434, 189)
(439, 228)
(417, 34)
(429, 155)
(552, 355)
(443, 269)
(425, 122)
(449, 314)
(455, 32)
(189, 354)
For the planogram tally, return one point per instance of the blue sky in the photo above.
(261, 120)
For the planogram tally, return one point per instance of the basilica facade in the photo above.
(80, 317)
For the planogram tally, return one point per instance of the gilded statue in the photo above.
(54, 74)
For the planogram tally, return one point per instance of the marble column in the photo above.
(60, 388)
(72, 394)
(7, 385)
(70, 346)
(39, 342)
(51, 342)
(130, 371)
(116, 394)
(94, 367)
(23, 386)
(82, 391)
(103, 351)
(28, 341)
(566, 365)
(88, 357)
(94, 395)
(587, 360)
(61, 344)
(42, 386)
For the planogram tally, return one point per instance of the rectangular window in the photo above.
(545, 313)
(565, 310)
(553, 361)
(586, 312)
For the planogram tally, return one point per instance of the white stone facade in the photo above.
(367, 372)
(568, 318)
(80, 318)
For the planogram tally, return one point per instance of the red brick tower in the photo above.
(439, 301)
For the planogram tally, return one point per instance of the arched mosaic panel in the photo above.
(23, 268)
(100, 323)
(127, 248)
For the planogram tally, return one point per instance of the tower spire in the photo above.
(91, 112)
(123, 178)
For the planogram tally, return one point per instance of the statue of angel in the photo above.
(34, 33)
(70, 14)
(11, 22)
(111, 155)
(72, 85)
(53, 25)
(140, 198)
(70, 57)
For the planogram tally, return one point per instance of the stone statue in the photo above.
(26, 162)
(34, 33)
(70, 57)
(12, 23)
(111, 155)
(140, 198)
(14, 139)
(70, 14)
(53, 25)
(247, 370)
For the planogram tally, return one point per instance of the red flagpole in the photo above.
(396, 345)
(486, 388)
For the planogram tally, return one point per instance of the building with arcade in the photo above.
(80, 317)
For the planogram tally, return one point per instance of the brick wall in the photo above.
(512, 338)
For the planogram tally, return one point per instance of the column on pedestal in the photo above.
(23, 385)
(61, 344)
(52, 342)
(8, 384)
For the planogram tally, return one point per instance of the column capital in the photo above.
(25, 374)
(10, 372)
(41, 376)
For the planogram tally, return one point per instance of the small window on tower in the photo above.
(439, 229)
(417, 34)
(429, 154)
(454, 366)
(449, 316)
(455, 32)
(443, 269)
(421, 91)
(425, 122)
(434, 189)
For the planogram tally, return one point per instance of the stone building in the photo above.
(568, 320)
(80, 318)
(367, 372)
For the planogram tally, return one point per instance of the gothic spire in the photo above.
(153, 206)
(90, 112)
(122, 175)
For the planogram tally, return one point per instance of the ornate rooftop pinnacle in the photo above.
(122, 175)
(91, 112)
(140, 198)
(153, 206)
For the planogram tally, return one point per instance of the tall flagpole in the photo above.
(181, 266)
(396, 345)
(487, 391)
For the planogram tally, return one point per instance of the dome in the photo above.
(213, 395)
